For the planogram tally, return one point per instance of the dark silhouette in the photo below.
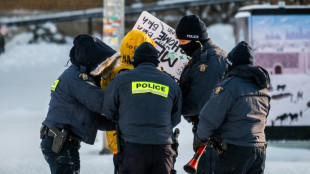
(299, 95)
(282, 118)
(282, 87)
(293, 117)
(282, 95)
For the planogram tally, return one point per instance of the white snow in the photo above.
(28, 71)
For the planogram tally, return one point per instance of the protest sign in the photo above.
(172, 58)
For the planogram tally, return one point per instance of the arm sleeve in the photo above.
(177, 107)
(213, 113)
(87, 93)
(106, 125)
(200, 89)
(111, 101)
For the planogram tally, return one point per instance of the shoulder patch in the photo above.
(83, 76)
(203, 67)
(54, 85)
(218, 90)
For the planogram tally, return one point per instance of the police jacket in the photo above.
(146, 103)
(130, 42)
(199, 77)
(75, 104)
(238, 108)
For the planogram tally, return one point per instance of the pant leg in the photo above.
(235, 160)
(66, 162)
(207, 161)
(258, 165)
(117, 160)
(134, 161)
(147, 159)
(162, 160)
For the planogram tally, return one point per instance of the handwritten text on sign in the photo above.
(172, 58)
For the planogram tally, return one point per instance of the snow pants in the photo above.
(147, 159)
(241, 160)
(67, 161)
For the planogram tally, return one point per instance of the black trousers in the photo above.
(66, 162)
(241, 160)
(147, 159)
(207, 161)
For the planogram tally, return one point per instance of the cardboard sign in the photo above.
(172, 58)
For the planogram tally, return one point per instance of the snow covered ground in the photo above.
(27, 72)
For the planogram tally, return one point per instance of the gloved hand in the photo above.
(192, 119)
(198, 142)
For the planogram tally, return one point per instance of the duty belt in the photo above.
(45, 131)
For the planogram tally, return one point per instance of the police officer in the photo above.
(146, 103)
(237, 113)
(75, 106)
(204, 70)
(129, 44)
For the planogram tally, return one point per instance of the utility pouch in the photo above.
(59, 139)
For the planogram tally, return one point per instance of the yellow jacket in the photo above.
(129, 44)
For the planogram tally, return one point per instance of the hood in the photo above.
(130, 43)
(257, 74)
(90, 52)
(106, 66)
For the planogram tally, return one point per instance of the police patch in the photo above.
(218, 90)
(83, 76)
(139, 87)
(203, 67)
(53, 87)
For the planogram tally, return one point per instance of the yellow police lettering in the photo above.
(150, 87)
(138, 85)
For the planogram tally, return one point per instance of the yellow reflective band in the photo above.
(154, 88)
(53, 88)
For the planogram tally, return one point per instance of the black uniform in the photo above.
(205, 69)
(237, 112)
(146, 103)
(75, 108)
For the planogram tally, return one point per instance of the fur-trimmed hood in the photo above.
(106, 67)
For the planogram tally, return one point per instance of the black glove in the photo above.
(198, 142)
(192, 119)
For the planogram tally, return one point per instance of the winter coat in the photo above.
(130, 42)
(76, 103)
(144, 117)
(238, 108)
(199, 77)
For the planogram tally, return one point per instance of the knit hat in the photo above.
(241, 54)
(191, 27)
(146, 52)
(130, 43)
(89, 52)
